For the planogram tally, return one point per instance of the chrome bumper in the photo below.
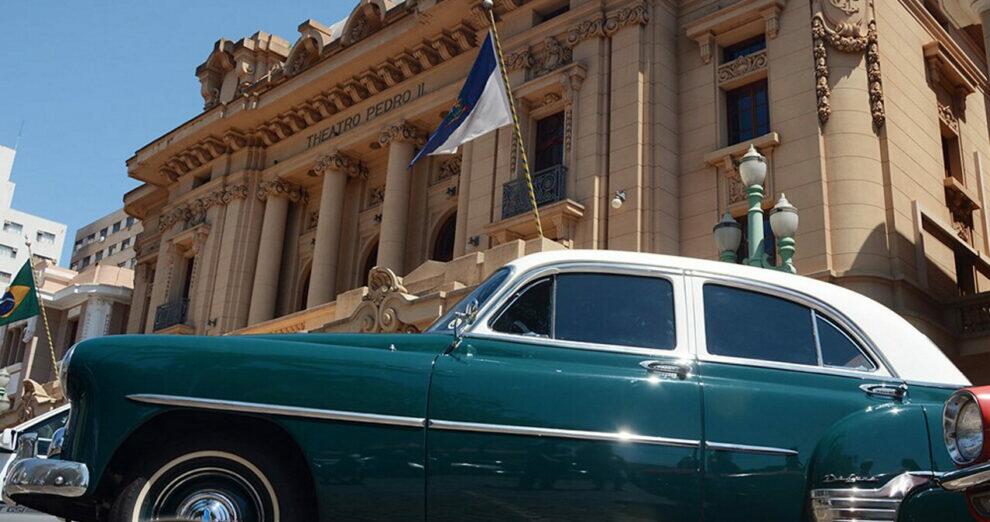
(966, 478)
(30, 475)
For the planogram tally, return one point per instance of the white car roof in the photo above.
(912, 356)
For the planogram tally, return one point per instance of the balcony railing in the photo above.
(974, 313)
(171, 314)
(550, 187)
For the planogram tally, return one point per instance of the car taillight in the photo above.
(965, 420)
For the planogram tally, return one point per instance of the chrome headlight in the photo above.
(63, 370)
(962, 425)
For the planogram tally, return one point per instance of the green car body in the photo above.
(455, 424)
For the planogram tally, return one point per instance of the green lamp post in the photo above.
(783, 221)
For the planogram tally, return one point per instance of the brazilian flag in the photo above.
(20, 301)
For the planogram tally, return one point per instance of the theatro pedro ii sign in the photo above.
(361, 117)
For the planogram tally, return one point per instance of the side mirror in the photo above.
(8, 438)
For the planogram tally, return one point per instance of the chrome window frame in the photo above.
(683, 349)
(696, 281)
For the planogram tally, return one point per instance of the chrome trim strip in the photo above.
(965, 478)
(529, 431)
(742, 448)
(858, 503)
(273, 409)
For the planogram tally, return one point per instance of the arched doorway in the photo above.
(304, 289)
(370, 260)
(443, 244)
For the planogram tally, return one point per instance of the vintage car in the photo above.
(575, 385)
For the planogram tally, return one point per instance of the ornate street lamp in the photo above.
(783, 221)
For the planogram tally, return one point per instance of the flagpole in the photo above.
(41, 305)
(489, 8)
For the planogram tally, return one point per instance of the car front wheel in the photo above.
(227, 482)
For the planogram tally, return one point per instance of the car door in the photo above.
(779, 371)
(572, 398)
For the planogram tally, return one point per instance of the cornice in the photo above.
(945, 40)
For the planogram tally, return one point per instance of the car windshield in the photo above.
(479, 295)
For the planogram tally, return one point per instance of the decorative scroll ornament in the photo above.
(604, 26)
(551, 57)
(382, 307)
(376, 196)
(337, 161)
(279, 188)
(847, 26)
(948, 117)
(401, 131)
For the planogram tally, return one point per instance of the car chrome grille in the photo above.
(857, 504)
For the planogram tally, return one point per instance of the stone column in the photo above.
(401, 140)
(335, 167)
(96, 318)
(138, 314)
(276, 195)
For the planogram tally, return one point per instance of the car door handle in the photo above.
(667, 369)
(885, 390)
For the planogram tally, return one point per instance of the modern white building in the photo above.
(47, 236)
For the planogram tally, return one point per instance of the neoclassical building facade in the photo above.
(287, 205)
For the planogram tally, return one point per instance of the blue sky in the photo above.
(94, 80)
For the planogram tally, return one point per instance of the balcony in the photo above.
(171, 315)
(549, 184)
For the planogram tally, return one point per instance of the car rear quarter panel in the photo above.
(379, 374)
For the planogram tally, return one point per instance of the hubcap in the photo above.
(209, 494)
(210, 506)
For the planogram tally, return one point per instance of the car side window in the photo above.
(615, 309)
(529, 311)
(751, 325)
(838, 350)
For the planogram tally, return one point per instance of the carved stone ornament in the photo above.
(550, 57)
(279, 188)
(337, 161)
(376, 195)
(194, 212)
(848, 26)
(948, 118)
(742, 66)
(381, 308)
(449, 168)
(606, 25)
(401, 131)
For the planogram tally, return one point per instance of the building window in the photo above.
(5, 277)
(74, 265)
(116, 227)
(46, 238)
(744, 48)
(103, 234)
(99, 256)
(90, 238)
(111, 250)
(12, 228)
(952, 157)
(554, 12)
(748, 112)
(78, 243)
(549, 142)
(85, 262)
(7, 251)
(130, 221)
(125, 243)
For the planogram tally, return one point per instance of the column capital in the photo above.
(278, 187)
(336, 161)
(401, 131)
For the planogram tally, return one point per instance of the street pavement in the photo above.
(22, 514)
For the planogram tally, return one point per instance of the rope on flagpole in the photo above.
(489, 7)
(41, 306)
